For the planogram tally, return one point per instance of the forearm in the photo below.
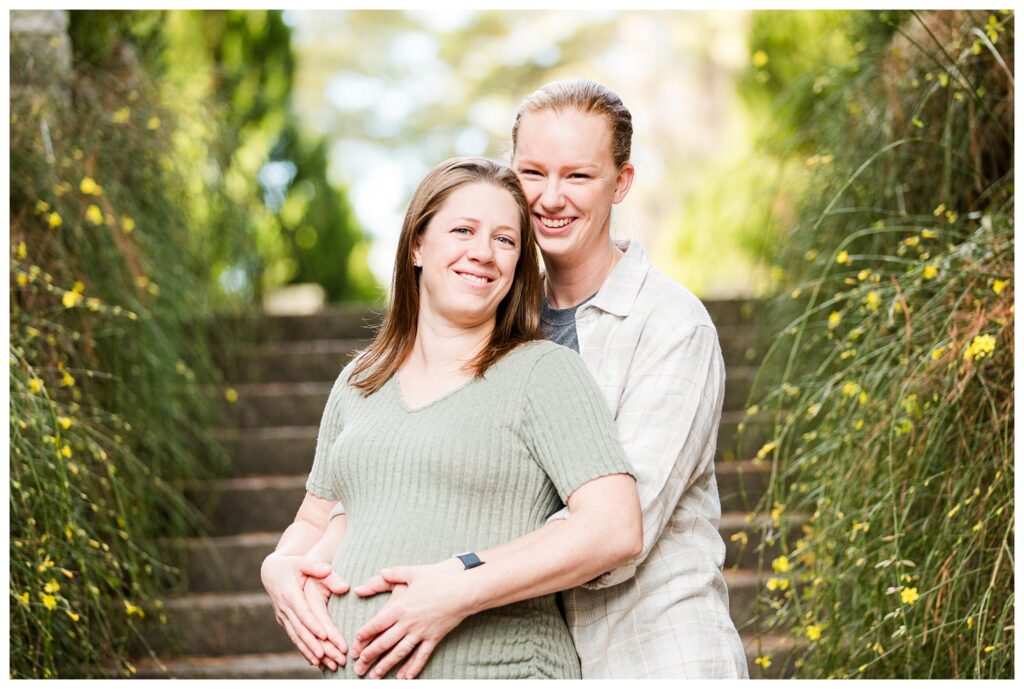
(325, 547)
(558, 556)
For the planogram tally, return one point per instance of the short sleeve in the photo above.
(567, 425)
(319, 482)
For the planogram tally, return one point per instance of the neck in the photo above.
(445, 349)
(569, 280)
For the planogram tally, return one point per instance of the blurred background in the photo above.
(836, 185)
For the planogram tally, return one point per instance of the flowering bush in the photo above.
(889, 390)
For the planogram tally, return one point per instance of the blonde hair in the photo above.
(518, 316)
(586, 96)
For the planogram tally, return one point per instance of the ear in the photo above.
(623, 181)
(416, 258)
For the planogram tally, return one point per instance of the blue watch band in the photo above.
(470, 560)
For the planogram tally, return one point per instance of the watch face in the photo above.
(470, 560)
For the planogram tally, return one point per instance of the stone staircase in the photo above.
(224, 627)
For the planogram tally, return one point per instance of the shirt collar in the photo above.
(621, 287)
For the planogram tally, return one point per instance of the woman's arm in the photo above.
(285, 571)
(602, 532)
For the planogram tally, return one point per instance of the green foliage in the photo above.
(108, 286)
(137, 220)
(890, 390)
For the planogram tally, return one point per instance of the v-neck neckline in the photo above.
(404, 404)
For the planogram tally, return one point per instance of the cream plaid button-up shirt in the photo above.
(654, 352)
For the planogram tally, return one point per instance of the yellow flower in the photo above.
(976, 527)
(93, 303)
(42, 206)
(122, 115)
(939, 210)
(937, 352)
(929, 234)
(66, 451)
(131, 609)
(766, 449)
(781, 564)
(72, 615)
(153, 123)
(863, 274)
(952, 512)
(22, 280)
(94, 215)
(998, 286)
(231, 395)
(873, 300)
(89, 186)
(49, 601)
(740, 536)
(45, 565)
(970, 623)
(55, 220)
(834, 319)
(71, 299)
(23, 597)
(980, 347)
(760, 58)
(989, 649)
(127, 224)
(909, 596)
(930, 272)
(843, 257)
(764, 661)
(67, 380)
(777, 584)
(813, 632)
(911, 241)
(850, 389)
(23, 252)
(810, 255)
(943, 79)
(751, 410)
(51, 586)
(35, 385)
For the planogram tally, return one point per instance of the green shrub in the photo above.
(889, 390)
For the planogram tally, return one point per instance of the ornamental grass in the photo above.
(110, 404)
(887, 396)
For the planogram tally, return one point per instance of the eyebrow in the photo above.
(467, 218)
(526, 162)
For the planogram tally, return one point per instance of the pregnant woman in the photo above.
(459, 430)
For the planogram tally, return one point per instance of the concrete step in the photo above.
(355, 321)
(226, 624)
(269, 503)
(291, 665)
(292, 361)
(288, 449)
(340, 321)
(321, 360)
(285, 403)
(232, 563)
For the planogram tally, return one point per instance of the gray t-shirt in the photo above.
(560, 324)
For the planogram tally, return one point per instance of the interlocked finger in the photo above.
(283, 621)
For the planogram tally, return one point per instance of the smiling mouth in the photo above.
(474, 279)
(548, 225)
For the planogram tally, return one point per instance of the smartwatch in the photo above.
(470, 560)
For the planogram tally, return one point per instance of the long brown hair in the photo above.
(518, 316)
(586, 96)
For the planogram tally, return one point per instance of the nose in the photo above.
(551, 195)
(481, 248)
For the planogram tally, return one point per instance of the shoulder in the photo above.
(543, 364)
(665, 300)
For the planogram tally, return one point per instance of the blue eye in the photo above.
(507, 240)
(529, 172)
(462, 230)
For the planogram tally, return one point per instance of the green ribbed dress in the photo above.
(480, 466)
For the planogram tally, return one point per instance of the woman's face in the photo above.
(565, 164)
(468, 254)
